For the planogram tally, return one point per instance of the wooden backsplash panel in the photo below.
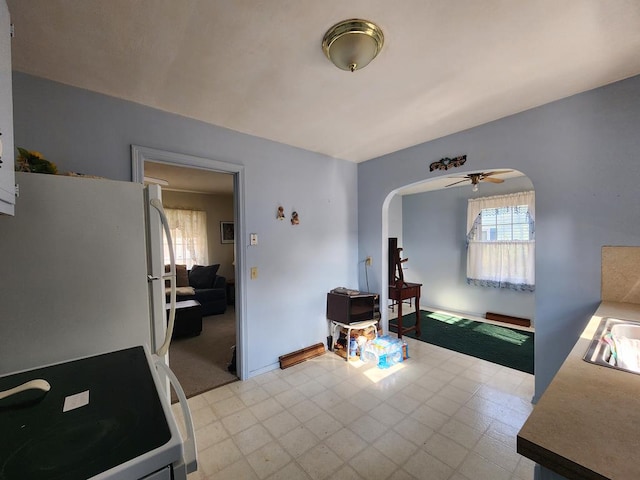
(621, 274)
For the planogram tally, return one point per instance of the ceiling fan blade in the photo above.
(492, 180)
(497, 172)
(455, 183)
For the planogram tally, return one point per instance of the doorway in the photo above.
(201, 362)
(429, 219)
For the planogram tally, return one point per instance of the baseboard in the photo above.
(300, 356)
(498, 317)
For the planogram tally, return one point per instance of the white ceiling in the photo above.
(257, 66)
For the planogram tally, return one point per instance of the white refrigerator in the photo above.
(80, 272)
(75, 262)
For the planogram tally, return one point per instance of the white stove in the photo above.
(104, 417)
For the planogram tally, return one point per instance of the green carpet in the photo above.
(494, 343)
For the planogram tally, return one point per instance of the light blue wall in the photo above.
(582, 156)
(435, 243)
(90, 133)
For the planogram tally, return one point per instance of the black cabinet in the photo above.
(350, 307)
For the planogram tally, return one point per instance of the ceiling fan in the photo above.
(476, 178)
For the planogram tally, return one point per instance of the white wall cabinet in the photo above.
(7, 175)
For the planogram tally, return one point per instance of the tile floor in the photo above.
(439, 415)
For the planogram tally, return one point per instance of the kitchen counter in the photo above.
(587, 423)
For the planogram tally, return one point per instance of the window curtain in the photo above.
(189, 234)
(500, 264)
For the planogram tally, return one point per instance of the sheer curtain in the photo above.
(507, 258)
(189, 234)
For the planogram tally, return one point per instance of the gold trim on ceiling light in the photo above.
(352, 44)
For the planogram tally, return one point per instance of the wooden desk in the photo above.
(404, 291)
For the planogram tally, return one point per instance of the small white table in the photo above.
(349, 327)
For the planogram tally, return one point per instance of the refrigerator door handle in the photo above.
(157, 204)
(189, 461)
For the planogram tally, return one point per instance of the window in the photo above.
(505, 224)
(189, 235)
(500, 241)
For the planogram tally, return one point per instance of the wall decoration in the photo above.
(227, 232)
(295, 219)
(280, 213)
(447, 163)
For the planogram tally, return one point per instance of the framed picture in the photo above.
(227, 232)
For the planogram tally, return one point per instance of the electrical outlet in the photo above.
(254, 273)
(368, 261)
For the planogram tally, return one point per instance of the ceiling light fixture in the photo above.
(352, 44)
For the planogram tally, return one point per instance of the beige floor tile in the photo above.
(290, 471)
(423, 463)
(440, 415)
(430, 417)
(473, 418)
(218, 456)
(395, 447)
(253, 396)
(210, 434)
(323, 425)
(443, 404)
(446, 450)
(227, 406)
(276, 386)
(403, 402)
(403, 475)
(268, 459)
(266, 408)
(345, 443)
(346, 412)
(298, 441)
(503, 432)
(281, 423)
(236, 422)
(311, 388)
(203, 416)
(252, 439)
(289, 398)
(347, 473)
(415, 432)
(217, 394)
(319, 462)
(365, 400)
(479, 468)
(497, 452)
(524, 469)
(371, 463)
(461, 433)
(368, 428)
(240, 469)
(327, 399)
(305, 410)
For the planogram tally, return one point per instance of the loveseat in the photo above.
(201, 283)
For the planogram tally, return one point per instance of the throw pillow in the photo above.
(182, 277)
(203, 277)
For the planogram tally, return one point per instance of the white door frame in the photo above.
(141, 154)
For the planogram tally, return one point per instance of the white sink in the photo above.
(616, 344)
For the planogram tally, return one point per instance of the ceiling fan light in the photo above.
(475, 187)
(352, 44)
